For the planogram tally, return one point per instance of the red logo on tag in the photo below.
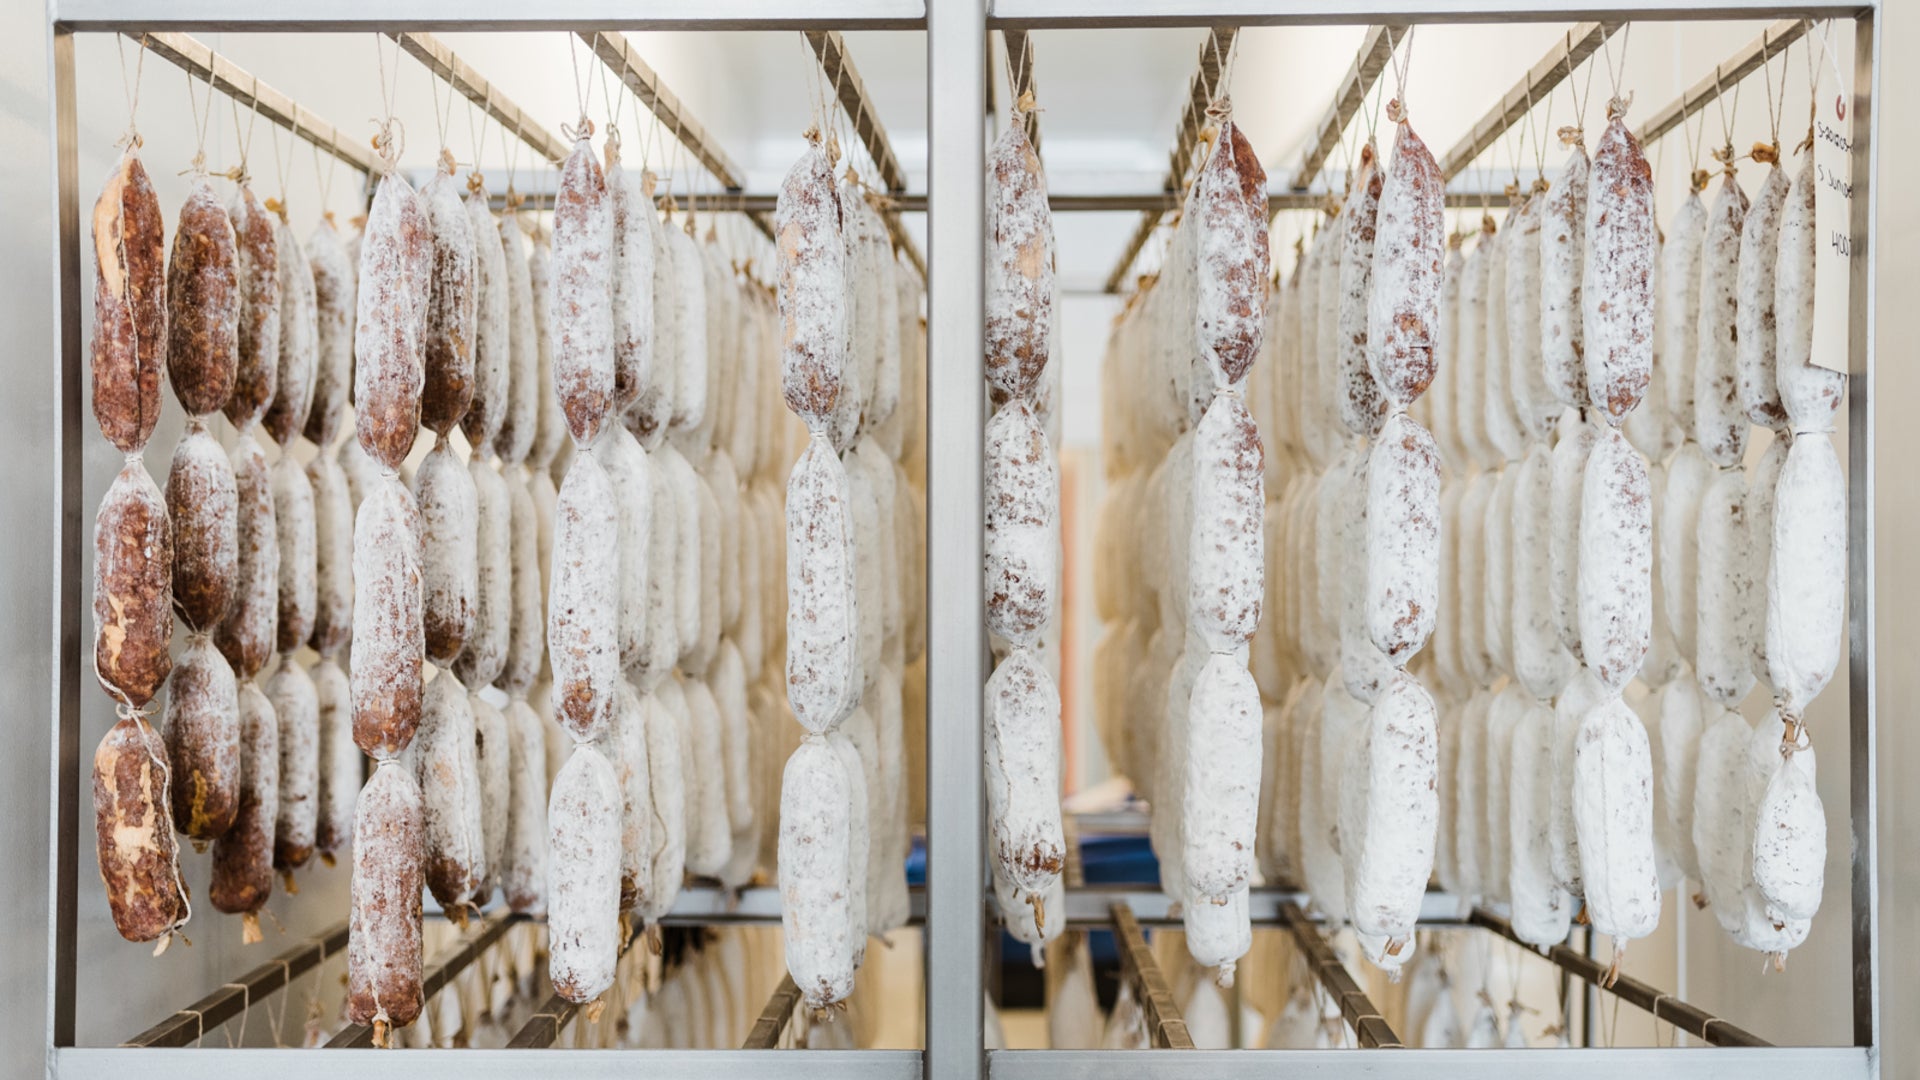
(1840, 105)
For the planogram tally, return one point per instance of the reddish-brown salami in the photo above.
(581, 330)
(447, 386)
(296, 709)
(129, 304)
(529, 352)
(299, 338)
(389, 369)
(203, 510)
(1020, 265)
(388, 640)
(523, 872)
(491, 754)
(295, 540)
(203, 303)
(1230, 213)
(243, 858)
(203, 742)
(247, 634)
(1403, 311)
(583, 601)
(139, 859)
(332, 557)
(333, 289)
(257, 364)
(383, 924)
(132, 597)
(813, 282)
(1616, 296)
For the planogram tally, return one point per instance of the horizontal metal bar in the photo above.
(1061, 202)
(1113, 14)
(1725, 76)
(1532, 89)
(1369, 1027)
(382, 16)
(458, 74)
(1376, 49)
(1827, 1063)
(1664, 1006)
(774, 1017)
(1168, 1030)
(442, 971)
(186, 1026)
(1091, 906)
(198, 60)
(70, 1063)
(543, 1028)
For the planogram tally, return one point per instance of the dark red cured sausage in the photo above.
(389, 372)
(257, 266)
(129, 305)
(203, 304)
(138, 855)
(132, 594)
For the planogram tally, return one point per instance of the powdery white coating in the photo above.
(691, 358)
(1755, 316)
(870, 584)
(203, 510)
(709, 831)
(333, 291)
(1790, 839)
(524, 615)
(1362, 663)
(294, 529)
(1016, 917)
(819, 935)
(662, 638)
(1722, 835)
(333, 555)
(1726, 589)
(631, 472)
(1613, 811)
(1568, 477)
(1442, 409)
(1688, 475)
(1562, 262)
(1468, 370)
(388, 640)
(1303, 335)
(1758, 540)
(449, 523)
(1810, 394)
(451, 306)
(1229, 208)
(860, 747)
(1720, 423)
(1386, 876)
(1504, 433)
(1540, 660)
(489, 631)
(1541, 910)
(296, 707)
(1218, 934)
(627, 744)
(446, 761)
(1476, 656)
(1582, 695)
(1680, 278)
(1226, 563)
(582, 600)
(580, 330)
(652, 410)
(202, 751)
(523, 865)
(1023, 772)
(633, 270)
(864, 236)
(529, 352)
(729, 687)
(1663, 662)
(1616, 296)
(1615, 593)
(1503, 715)
(1677, 765)
(258, 273)
(1448, 668)
(1446, 859)
(299, 339)
(383, 924)
(813, 288)
(667, 769)
(690, 550)
(1362, 404)
(494, 769)
(389, 369)
(202, 296)
(1020, 258)
(1536, 400)
(1470, 841)
(822, 623)
(247, 635)
(1342, 719)
(583, 876)
(340, 763)
(242, 876)
(1402, 576)
(1171, 696)
(1403, 310)
(1496, 596)
(1806, 578)
(493, 327)
(1222, 791)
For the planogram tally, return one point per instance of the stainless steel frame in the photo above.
(956, 49)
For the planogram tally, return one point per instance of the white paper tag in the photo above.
(1833, 221)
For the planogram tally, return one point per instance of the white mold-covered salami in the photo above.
(1503, 715)
(296, 708)
(870, 586)
(493, 768)
(1688, 475)
(445, 758)
(1790, 838)
(662, 638)
(396, 252)
(1023, 772)
(1403, 312)
(1722, 835)
(582, 602)
(1362, 663)
(1222, 794)
(1497, 595)
(1616, 298)
(1613, 811)
(813, 282)
(692, 357)
(1341, 718)
(1475, 656)
(449, 523)
(1173, 694)
(864, 236)
(247, 634)
(1468, 372)
(1387, 876)
(1726, 589)
(1681, 716)
(202, 733)
(203, 510)
(816, 802)
(529, 352)
(493, 327)
(1218, 935)
(1542, 911)
(1755, 316)
(388, 641)
(729, 686)
(1020, 265)
(1806, 579)
(299, 339)
(1720, 423)
(341, 764)
(489, 633)
(1616, 560)
(1758, 542)
(1540, 661)
(689, 547)
(333, 295)
(383, 926)
(1504, 433)
(1679, 285)
(1016, 915)
(526, 617)
(1226, 563)
(523, 869)
(667, 770)
(652, 410)
(1581, 696)
(1562, 263)
(628, 748)
(202, 323)
(581, 330)
(633, 270)
(860, 748)
(709, 832)
(1362, 405)
(583, 876)
(1535, 400)
(451, 310)
(822, 625)
(243, 858)
(294, 528)
(1810, 394)
(333, 557)
(1403, 538)
(258, 274)
(1232, 270)
(631, 472)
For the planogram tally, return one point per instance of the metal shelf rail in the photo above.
(955, 39)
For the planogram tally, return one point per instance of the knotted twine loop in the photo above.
(390, 135)
(477, 134)
(1396, 107)
(130, 139)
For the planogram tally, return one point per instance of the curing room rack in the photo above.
(956, 38)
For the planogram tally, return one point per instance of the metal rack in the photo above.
(955, 35)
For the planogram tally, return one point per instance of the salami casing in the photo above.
(1755, 315)
(693, 356)
(1810, 394)
(582, 604)
(822, 624)
(1402, 577)
(1616, 560)
(1806, 579)
(1725, 591)
(1226, 564)
(492, 326)
(296, 708)
(1681, 723)
(1562, 261)
(1580, 697)
(633, 273)
(1613, 811)
(1542, 911)
(526, 619)
(1387, 876)
(299, 340)
(491, 759)
(396, 248)
(247, 634)
(203, 303)
(1218, 935)
(129, 304)
(1023, 766)
(631, 473)
(341, 765)
(243, 858)
(628, 741)
(581, 330)
(1542, 664)
(667, 768)
(1361, 404)
(203, 510)
(1616, 296)
(1720, 424)
(488, 634)
(296, 539)
(446, 761)
(203, 742)
(529, 350)
(1679, 284)
(1020, 265)
(258, 341)
(816, 802)
(1563, 543)
(451, 317)
(333, 300)
(1222, 796)
(333, 556)
(1790, 837)
(132, 593)
(523, 872)
(1535, 402)
(813, 277)
(383, 925)
(1403, 311)
(389, 643)
(449, 523)
(139, 858)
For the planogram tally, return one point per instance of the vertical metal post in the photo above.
(1863, 816)
(956, 643)
(68, 532)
